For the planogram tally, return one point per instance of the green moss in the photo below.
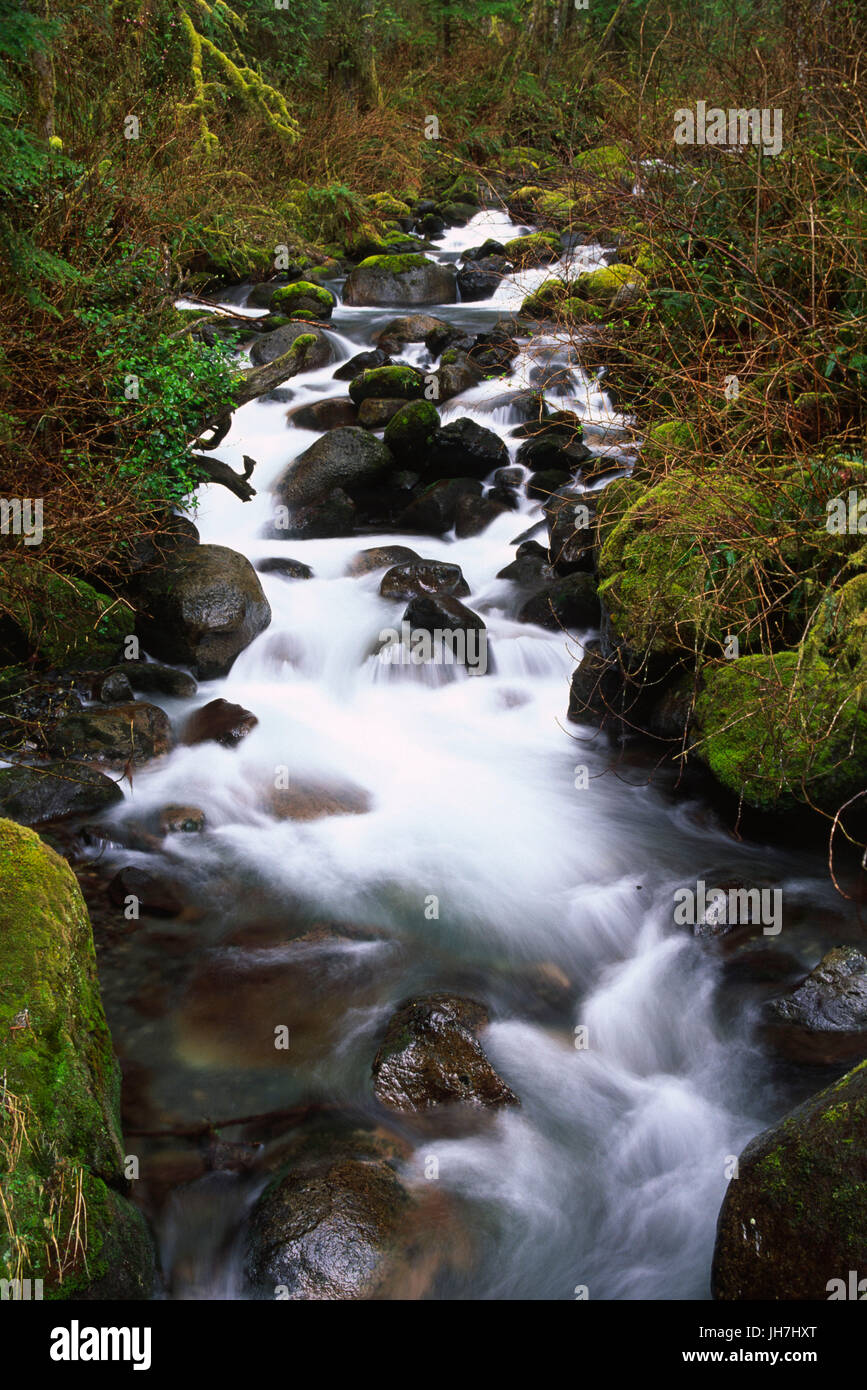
(386, 205)
(559, 207)
(600, 286)
(535, 249)
(304, 296)
(574, 310)
(410, 431)
(387, 382)
(58, 1073)
(396, 265)
(65, 620)
(606, 163)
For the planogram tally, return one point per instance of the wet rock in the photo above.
(375, 413)
(203, 609)
(181, 820)
(571, 602)
(307, 801)
(449, 336)
(457, 373)
(490, 247)
(219, 722)
(431, 1056)
(342, 459)
(334, 413)
(530, 571)
(269, 346)
(115, 735)
(411, 429)
(34, 795)
(286, 568)
(412, 328)
(380, 557)
(440, 612)
(331, 1227)
(464, 449)
(331, 514)
(395, 382)
(548, 481)
(361, 362)
(474, 515)
(433, 512)
(495, 351)
(824, 1020)
(155, 892)
(595, 688)
(152, 678)
(794, 1221)
(408, 279)
(407, 580)
(554, 447)
(113, 688)
(475, 283)
(570, 533)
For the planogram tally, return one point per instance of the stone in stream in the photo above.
(431, 1057)
(570, 602)
(269, 346)
(380, 557)
(410, 431)
(794, 1221)
(571, 533)
(202, 608)
(404, 581)
(487, 248)
(433, 511)
(376, 412)
(457, 373)
(481, 281)
(155, 892)
(113, 688)
(412, 328)
(286, 568)
(397, 381)
(32, 795)
(181, 820)
(339, 1224)
(474, 515)
(221, 722)
(330, 414)
(439, 612)
(405, 279)
(362, 362)
(341, 459)
(463, 449)
(546, 483)
(115, 735)
(449, 335)
(308, 801)
(152, 677)
(824, 1020)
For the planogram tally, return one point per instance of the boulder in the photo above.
(431, 1057)
(305, 801)
(794, 1220)
(114, 735)
(571, 602)
(824, 1020)
(412, 328)
(318, 351)
(219, 721)
(394, 382)
(433, 511)
(437, 612)
(476, 282)
(411, 429)
(405, 581)
(341, 459)
(286, 568)
(406, 279)
(464, 449)
(474, 515)
(330, 514)
(457, 373)
(50, 791)
(203, 609)
(347, 371)
(380, 557)
(303, 299)
(155, 892)
(332, 413)
(153, 678)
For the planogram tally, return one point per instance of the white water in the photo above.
(611, 1173)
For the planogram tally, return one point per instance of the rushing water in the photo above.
(555, 906)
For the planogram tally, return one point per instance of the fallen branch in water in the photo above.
(218, 472)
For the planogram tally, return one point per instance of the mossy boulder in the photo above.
(572, 310)
(604, 285)
(607, 164)
(61, 1171)
(303, 297)
(395, 382)
(538, 248)
(64, 620)
(678, 571)
(558, 207)
(386, 205)
(795, 1218)
(543, 301)
(410, 432)
(405, 279)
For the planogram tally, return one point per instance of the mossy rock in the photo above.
(410, 432)
(601, 286)
(795, 1217)
(303, 297)
(405, 279)
(558, 207)
(386, 205)
(61, 1071)
(669, 442)
(395, 382)
(464, 190)
(545, 299)
(677, 571)
(606, 164)
(538, 248)
(573, 310)
(65, 621)
(782, 730)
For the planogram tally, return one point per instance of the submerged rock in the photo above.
(431, 1056)
(571, 602)
(219, 722)
(380, 557)
(304, 801)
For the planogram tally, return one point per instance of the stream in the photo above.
(552, 903)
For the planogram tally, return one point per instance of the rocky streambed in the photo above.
(387, 941)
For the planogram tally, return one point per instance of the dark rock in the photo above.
(116, 734)
(412, 328)
(570, 533)
(342, 459)
(333, 413)
(411, 429)
(376, 412)
(410, 280)
(474, 283)
(114, 688)
(495, 351)
(402, 381)
(380, 557)
(440, 612)
(595, 688)
(219, 721)
(544, 484)
(794, 1220)
(269, 346)
(431, 1056)
(153, 678)
(473, 515)
(464, 449)
(155, 892)
(487, 248)
(332, 514)
(407, 580)
(431, 225)
(457, 373)
(449, 335)
(203, 609)
(433, 512)
(34, 795)
(287, 569)
(362, 362)
(571, 602)
(825, 1019)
